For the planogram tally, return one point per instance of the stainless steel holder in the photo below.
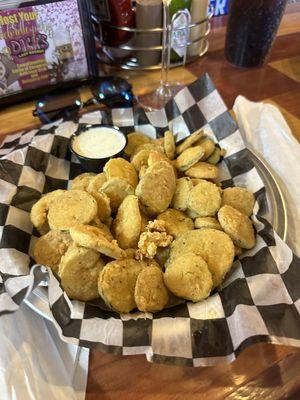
(130, 63)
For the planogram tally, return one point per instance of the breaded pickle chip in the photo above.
(96, 182)
(120, 168)
(103, 204)
(207, 222)
(169, 145)
(238, 226)
(116, 283)
(208, 147)
(176, 222)
(94, 238)
(82, 181)
(237, 250)
(204, 199)
(154, 145)
(117, 189)
(214, 246)
(49, 248)
(181, 195)
(239, 198)
(39, 211)
(215, 157)
(156, 189)
(79, 271)
(188, 276)
(128, 222)
(142, 171)
(189, 141)
(72, 208)
(141, 156)
(151, 294)
(135, 139)
(188, 158)
(156, 156)
(203, 170)
(105, 231)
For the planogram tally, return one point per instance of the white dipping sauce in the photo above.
(99, 142)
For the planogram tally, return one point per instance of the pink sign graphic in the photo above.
(41, 45)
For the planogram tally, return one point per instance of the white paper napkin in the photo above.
(265, 130)
(35, 363)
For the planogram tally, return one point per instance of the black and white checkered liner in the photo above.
(258, 302)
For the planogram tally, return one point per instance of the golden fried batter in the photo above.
(128, 222)
(49, 248)
(188, 158)
(94, 238)
(117, 282)
(39, 211)
(189, 141)
(151, 294)
(215, 157)
(117, 189)
(155, 236)
(181, 195)
(135, 139)
(176, 222)
(188, 276)
(203, 170)
(96, 183)
(79, 270)
(103, 204)
(238, 226)
(104, 228)
(140, 157)
(120, 168)
(207, 222)
(71, 208)
(156, 189)
(169, 145)
(208, 147)
(82, 181)
(214, 246)
(239, 198)
(204, 199)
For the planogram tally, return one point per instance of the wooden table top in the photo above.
(262, 371)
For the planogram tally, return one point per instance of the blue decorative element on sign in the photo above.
(221, 7)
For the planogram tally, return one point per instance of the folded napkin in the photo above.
(35, 363)
(265, 131)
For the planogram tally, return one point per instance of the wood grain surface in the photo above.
(262, 371)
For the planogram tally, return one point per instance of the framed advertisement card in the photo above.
(44, 44)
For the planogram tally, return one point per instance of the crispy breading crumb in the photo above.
(154, 236)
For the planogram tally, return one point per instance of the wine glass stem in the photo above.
(166, 49)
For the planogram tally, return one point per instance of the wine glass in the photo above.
(158, 99)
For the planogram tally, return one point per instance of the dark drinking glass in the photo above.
(251, 30)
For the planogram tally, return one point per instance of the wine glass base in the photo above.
(158, 99)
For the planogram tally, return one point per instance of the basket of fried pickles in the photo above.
(153, 225)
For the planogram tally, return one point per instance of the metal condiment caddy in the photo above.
(129, 61)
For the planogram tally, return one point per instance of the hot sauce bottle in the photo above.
(115, 13)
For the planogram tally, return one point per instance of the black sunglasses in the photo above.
(113, 92)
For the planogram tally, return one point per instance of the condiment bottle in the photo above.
(117, 13)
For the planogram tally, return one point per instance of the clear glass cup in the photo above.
(158, 99)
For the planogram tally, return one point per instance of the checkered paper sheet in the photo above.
(258, 302)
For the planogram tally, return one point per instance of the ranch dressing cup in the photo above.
(94, 145)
